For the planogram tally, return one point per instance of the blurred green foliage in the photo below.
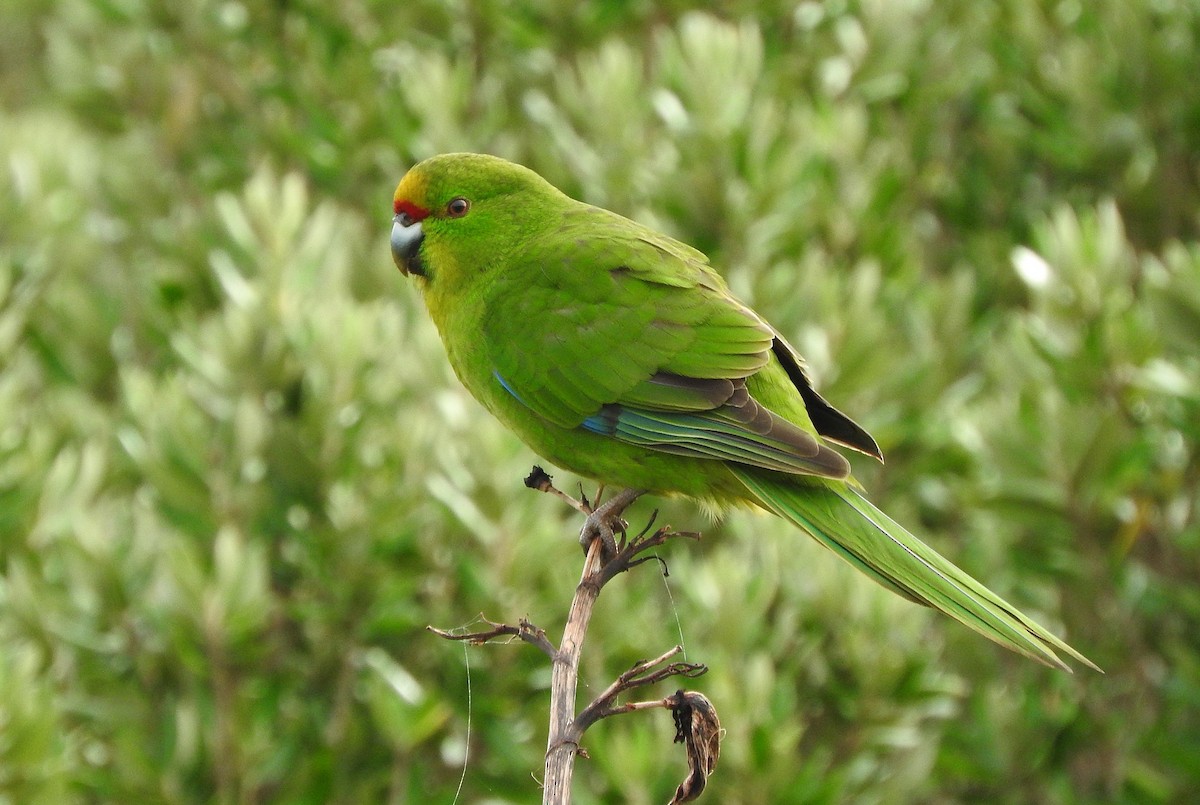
(237, 478)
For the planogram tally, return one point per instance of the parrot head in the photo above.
(456, 214)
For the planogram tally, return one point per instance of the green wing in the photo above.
(631, 335)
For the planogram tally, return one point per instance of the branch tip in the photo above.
(538, 479)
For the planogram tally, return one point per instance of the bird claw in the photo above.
(605, 522)
(604, 528)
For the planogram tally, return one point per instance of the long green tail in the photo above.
(846, 523)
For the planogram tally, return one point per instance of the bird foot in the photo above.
(605, 522)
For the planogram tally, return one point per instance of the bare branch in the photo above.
(562, 742)
(606, 556)
(539, 480)
(630, 554)
(640, 675)
(526, 631)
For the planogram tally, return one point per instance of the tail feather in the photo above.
(846, 523)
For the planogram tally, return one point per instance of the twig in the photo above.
(606, 557)
(537, 479)
(533, 635)
(640, 675)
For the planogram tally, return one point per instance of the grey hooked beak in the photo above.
(406, 245)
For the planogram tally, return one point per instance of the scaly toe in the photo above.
(605, 522)
(598, 526)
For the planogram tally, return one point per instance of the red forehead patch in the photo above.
(411, 210)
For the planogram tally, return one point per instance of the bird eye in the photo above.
(458, 207)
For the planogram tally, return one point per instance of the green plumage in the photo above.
(619, 354)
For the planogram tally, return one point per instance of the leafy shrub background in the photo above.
(237, 477)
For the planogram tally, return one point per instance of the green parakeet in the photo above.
(619, 354)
